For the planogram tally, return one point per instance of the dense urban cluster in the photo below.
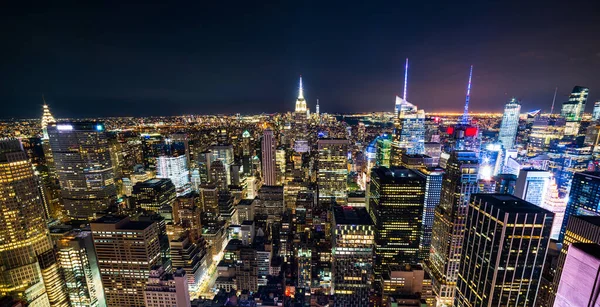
(402, 208)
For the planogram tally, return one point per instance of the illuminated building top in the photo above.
(301, 102)
(47, 119)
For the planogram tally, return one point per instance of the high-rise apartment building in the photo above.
(84, 168)
(504, 248)
(433, 191)
(459, 182)
(176, 169)
(25, 245)
(572, 110)
(510, 123)
(269, 167)
(396, 197)
(165, 289)
(79, 266)
(126, 251)
(532, 185)
(579, 229)
(332, 170)
(584, 198)
(353, 244)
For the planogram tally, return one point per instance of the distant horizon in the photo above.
(216, 58)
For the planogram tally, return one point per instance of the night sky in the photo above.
(97, 58)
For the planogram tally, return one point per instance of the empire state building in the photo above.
(301, 111)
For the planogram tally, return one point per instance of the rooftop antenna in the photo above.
(405, 78)
(465, 119)
(553, 100)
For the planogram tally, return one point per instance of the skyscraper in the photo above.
(572, 110)
(47, 119)
(24, 236)
(83, 166)
(460, 181)
(504, 249)
(596, 111)
(396, 198)
(584, 198)
(409, 122)
(510, 123)
(126, 251)
(433, 190)
(464, 135)
(332, 170)
(300, 112)
(268, 158)
(409, 134)
(79, 267)
(579, 229)
(532, 185)
(579, 284)
(353, 243)
(153, 194)
(176, 169)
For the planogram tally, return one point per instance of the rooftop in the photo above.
(395, 174)
(351, 216)
(509, 203)
(594, 220)
(123, 222)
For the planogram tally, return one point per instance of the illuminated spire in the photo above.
(465, 118)
(47, 118)
(405, 78)
(301, 90)
(301, 102)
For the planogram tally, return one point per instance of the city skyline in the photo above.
(248, 58)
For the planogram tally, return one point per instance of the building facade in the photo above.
(492, 272)
(332, 170)
(396, 197)
(84, 167)
(459, 182)
(25, 245)
(510, 123)
(353, 245)
(126, 251)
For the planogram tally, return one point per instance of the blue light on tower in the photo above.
(99, 127)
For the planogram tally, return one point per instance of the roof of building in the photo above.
(395, 174)
(123, 222)
(509, 203)
(351, 216)
(594, 220)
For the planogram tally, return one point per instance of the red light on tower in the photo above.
(450, 130)
(471, 131)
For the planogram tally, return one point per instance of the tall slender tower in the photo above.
(465, 117)
(268, 157)
(464, 135)
(510, 123)
(409, 124)
(459, 182)
(317, 108)
(25, 243)
(47, 119)
(300, 111)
